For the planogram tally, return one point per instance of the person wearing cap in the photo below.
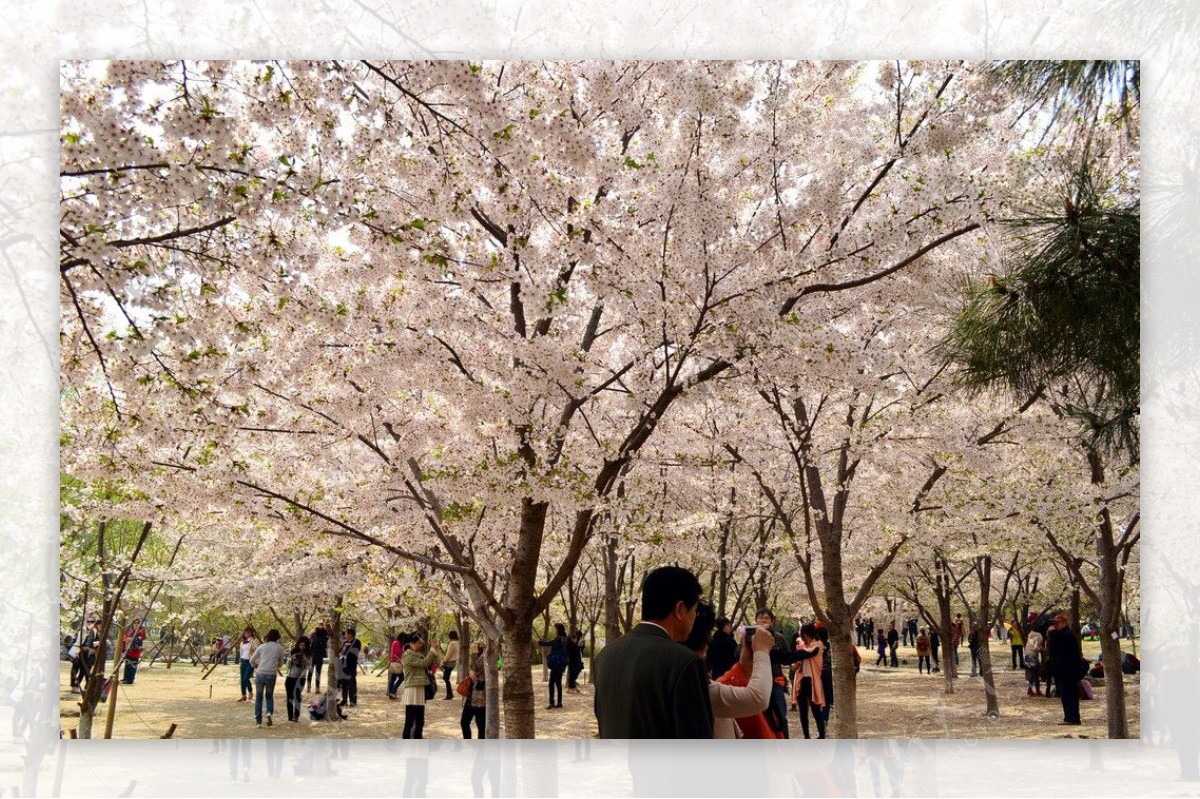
(1066, 654)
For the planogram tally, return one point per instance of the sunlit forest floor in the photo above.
(892, 703)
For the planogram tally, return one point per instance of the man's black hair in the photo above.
(665, 586)
(767, 611)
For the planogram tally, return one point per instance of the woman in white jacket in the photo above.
(731, 702)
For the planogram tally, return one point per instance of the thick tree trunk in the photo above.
(86, 718)
(982, 623)
(1114, 684)
(840, 620)
(612, 609)
(1110, 642)
(518, 624)
(844, 720)
(491, 651)
(334, 630)
(518, 699)
(947, 644)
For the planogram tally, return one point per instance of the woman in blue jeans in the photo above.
(557, 660)
(246, 649)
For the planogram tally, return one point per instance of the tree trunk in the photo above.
(491, 650)
(1109, 594)
(518, 696)
(334, 630)
(844, 719)
(1114, 684)
(840, 622)
(982, 623)
(518, 622)
(722, 575)
(612, 610)
(1075, 602)
(84, 730)
(942, 591)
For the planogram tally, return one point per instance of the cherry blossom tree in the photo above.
(439, 309)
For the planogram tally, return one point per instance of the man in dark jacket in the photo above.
(1067, 655)
(648, 685)
(348, 668)
(781, 655)
(319, 644)
(893, 641)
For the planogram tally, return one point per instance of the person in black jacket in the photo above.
(348, 668)
(1066, 654)
(319, 645)
(574, 660)
(557, 660)
(722, 649)
(893, 641)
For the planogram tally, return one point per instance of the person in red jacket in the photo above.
(135, 638)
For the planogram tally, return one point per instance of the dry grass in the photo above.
(892, 703)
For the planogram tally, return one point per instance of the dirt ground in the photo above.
(892, 703)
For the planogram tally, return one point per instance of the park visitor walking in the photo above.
(265, 661)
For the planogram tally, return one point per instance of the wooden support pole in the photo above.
(112, 708)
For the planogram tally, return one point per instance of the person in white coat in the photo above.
(731, 702)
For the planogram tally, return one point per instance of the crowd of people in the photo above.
(651, 684)
(681, 672)
(415, 667)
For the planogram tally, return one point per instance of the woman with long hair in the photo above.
(246, 649)
(298, 664)
(395, 665)
(475, 702)
(449, 662)
(809, 689)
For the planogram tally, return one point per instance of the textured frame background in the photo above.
(36, 36)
